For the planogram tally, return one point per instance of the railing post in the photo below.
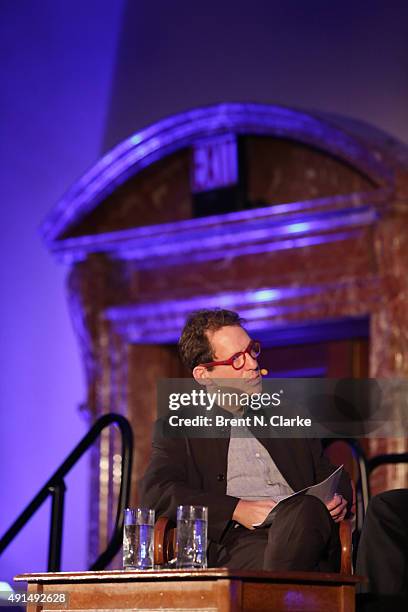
(57, 520)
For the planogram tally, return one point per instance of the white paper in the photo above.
(324, 490)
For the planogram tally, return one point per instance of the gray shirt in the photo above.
(252, 473)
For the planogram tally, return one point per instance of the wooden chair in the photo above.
(164, 541)
(349, 452)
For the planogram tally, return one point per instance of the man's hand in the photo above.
(248, 513)
(337, 507)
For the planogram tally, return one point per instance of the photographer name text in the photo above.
(246, 421)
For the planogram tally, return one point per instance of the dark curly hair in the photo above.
(194, 345)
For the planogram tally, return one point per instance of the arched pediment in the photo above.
(181, 131)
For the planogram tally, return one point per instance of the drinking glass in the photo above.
(191, 542)
(138, 538)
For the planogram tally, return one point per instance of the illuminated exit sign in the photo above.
(215, 164)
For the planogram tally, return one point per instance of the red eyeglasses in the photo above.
(237, 361)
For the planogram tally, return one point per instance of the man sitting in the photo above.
(240, 478)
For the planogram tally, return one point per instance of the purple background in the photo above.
(76, 78)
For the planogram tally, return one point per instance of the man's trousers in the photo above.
(302, 537)
(382, 553)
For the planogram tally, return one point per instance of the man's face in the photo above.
(225, 343)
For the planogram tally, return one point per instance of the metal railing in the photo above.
(386, 459)
(55, 487)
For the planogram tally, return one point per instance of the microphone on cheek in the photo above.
(264, 372)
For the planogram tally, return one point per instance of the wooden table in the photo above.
(212, 590)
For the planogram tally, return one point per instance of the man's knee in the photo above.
(314, 507)
(376, 507)
(309, 511)
(388, 505)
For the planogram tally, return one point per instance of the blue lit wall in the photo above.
(76, 78)
(342, 57)
(57, 62)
